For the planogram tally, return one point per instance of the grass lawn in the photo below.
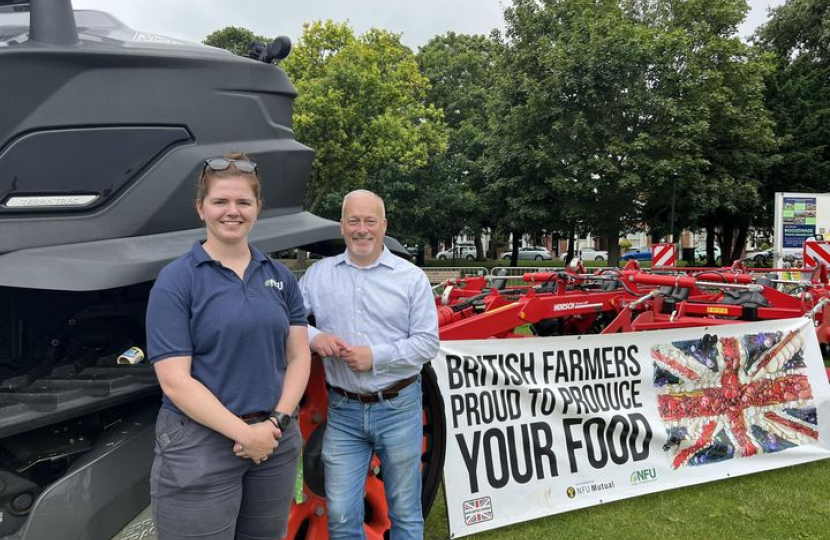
(783, 504)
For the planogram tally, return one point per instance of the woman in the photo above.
(226, 332)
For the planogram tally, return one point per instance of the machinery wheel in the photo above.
(470, 257)
(599, 258)
(442, 258)
(308, 517)
(538, 257)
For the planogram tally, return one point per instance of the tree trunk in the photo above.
(740, 241)
(433, 245)
(614, 248)
(710, 243)
(514, 255)
(727, 244)
(571, 243)
(479, 246)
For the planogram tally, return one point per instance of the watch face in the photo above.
(283, 420)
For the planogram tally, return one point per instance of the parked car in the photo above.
(530, 254)
(700, 253)
(763, 258)
(457, 252)
(639, 253)
(591, 254)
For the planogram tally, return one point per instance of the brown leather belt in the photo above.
(386, 393)
(255, 417)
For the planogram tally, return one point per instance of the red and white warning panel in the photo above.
(816, 252)
(663, 255)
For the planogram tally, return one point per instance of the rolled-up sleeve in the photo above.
(168, 320)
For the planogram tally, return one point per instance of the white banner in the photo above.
(547, 425)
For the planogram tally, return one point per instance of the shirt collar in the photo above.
(386, 259)
(200, 256)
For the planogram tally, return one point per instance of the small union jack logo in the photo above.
(478, 510)
(734, 397)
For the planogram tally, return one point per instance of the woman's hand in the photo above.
(260, 442)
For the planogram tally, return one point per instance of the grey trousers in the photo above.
(200, 489)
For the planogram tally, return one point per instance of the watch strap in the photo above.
(281, 420)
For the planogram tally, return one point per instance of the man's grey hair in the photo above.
(351, 194)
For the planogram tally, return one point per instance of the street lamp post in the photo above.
(671, 222)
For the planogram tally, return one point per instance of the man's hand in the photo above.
(329, 345)
(358, 358)
(260, 442)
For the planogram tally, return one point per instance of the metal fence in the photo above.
(514, 271)
(439, 274)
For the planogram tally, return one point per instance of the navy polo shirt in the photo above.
(235, 330)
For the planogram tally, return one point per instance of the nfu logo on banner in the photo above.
(663, 255)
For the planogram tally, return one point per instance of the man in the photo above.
(376, 325)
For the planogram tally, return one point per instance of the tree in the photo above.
(360, 105)
(234, 39)
(577, 133)
(461, 70)
(726, 83)
(798, 94)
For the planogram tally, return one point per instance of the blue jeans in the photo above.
(394, 430)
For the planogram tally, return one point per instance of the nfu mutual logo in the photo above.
(643, 476)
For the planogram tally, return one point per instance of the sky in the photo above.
(417, 21)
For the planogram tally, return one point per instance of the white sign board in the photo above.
(547, 425)
(799, 217)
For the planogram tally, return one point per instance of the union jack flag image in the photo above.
(478, 510)
(733, 397)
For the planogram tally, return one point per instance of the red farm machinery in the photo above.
(567, 301)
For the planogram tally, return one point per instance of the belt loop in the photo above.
(380, 396)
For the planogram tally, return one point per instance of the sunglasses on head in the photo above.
(220, 164)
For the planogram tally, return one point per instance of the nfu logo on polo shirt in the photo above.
(273, 284)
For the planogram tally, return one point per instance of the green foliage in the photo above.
(798, 93)
(580, 132)
(234, 39)
(461, 70)
(360, 105)
(610, 107)
(724, 84)
(590, 116)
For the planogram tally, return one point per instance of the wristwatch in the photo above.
(282, 420)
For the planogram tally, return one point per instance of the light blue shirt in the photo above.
(388, 306)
